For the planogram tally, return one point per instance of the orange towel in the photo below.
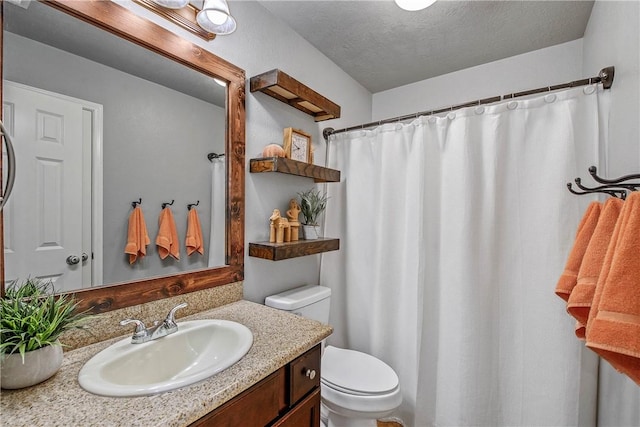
(137, 237)
(613, 327)
(579, 302)
(167, 240)
(569, 276)
(193, 241)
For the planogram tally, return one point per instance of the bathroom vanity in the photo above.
(291, 395)
(276, 383)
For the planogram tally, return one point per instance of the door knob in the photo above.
(84, 257)
(73, 259)
(310, 373)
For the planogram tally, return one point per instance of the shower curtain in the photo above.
(218, 232)
(454, 231)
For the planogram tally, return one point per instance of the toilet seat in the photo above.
(357, 385)
(355, 373)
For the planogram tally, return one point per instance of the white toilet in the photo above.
(356, 388)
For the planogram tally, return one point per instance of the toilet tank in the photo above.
(310, 301)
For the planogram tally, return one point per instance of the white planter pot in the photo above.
(310, 232)
(38, 366)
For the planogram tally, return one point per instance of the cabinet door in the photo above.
(256, 407)
(304, 374)
(305, 414)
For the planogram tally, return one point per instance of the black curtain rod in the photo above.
(605, 76)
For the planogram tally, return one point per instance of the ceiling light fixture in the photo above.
(215, 17)
(209, 16)
(413, 5)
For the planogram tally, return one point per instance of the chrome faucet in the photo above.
(158, 330)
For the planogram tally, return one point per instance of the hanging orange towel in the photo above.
(581, 297)
(613, 327)
(167, 240)
(193, 242)
(137, 237)
(569, 276)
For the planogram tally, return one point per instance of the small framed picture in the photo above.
(297, 145)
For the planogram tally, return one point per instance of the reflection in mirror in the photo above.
(99, 122)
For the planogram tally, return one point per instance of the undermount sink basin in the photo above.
(200, 349)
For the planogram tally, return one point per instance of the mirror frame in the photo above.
(126, 24)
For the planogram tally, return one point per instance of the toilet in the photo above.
(356, 388)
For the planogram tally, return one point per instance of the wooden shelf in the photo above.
(280, 251)
(285, 88)
(294, 167)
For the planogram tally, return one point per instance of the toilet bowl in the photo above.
(355, 388)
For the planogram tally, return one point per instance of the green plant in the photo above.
(312, 204)
(31, 317)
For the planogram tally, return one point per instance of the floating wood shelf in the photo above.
(280, 251)
(294, 167)
(285, 88)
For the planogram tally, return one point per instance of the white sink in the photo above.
(200, 349)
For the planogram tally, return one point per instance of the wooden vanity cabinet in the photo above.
(289, 397)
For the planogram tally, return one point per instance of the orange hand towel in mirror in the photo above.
(167, 240)
(193, 241)
(579, 303)
(613, 327)
(569, 276)
(137, 237)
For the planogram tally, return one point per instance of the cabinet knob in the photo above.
(310, 373)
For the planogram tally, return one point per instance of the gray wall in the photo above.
(155, 146)
(612, 37)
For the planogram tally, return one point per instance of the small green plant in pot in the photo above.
(32, 319)
(312, 203)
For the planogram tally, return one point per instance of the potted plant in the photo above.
(32, 319)
(312, 204)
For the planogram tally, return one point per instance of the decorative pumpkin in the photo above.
(273, 150)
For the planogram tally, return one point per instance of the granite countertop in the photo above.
(278, 338)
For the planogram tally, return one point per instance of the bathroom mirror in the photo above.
(203, 117)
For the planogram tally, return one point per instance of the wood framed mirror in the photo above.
(120, 21)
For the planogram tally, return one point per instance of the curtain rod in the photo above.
(605, 76)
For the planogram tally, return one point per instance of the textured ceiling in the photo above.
(382, 46)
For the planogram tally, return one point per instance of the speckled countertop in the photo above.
(278, 338)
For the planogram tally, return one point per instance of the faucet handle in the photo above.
(141, 329)
(170, 321)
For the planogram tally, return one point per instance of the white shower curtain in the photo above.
(454, 231)
(218, 231)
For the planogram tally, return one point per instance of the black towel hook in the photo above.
(593, 171)
(190, 205)
(165, 204)
(136, 202)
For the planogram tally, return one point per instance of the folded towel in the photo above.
(579, 303)
(569, 276)
(137, 237)
(167, 240)
(613, 327)
(193, 241)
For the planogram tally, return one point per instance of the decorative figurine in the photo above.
(292, 215)
(273, 150)
(280, 231)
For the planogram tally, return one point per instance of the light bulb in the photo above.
(172, 4)
(413, 5)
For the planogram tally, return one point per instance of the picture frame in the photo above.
(297, 145)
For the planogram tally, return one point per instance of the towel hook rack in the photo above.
(190, 205)
(136, 202)
(618, 187)
(213, 156)
(165, 204)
